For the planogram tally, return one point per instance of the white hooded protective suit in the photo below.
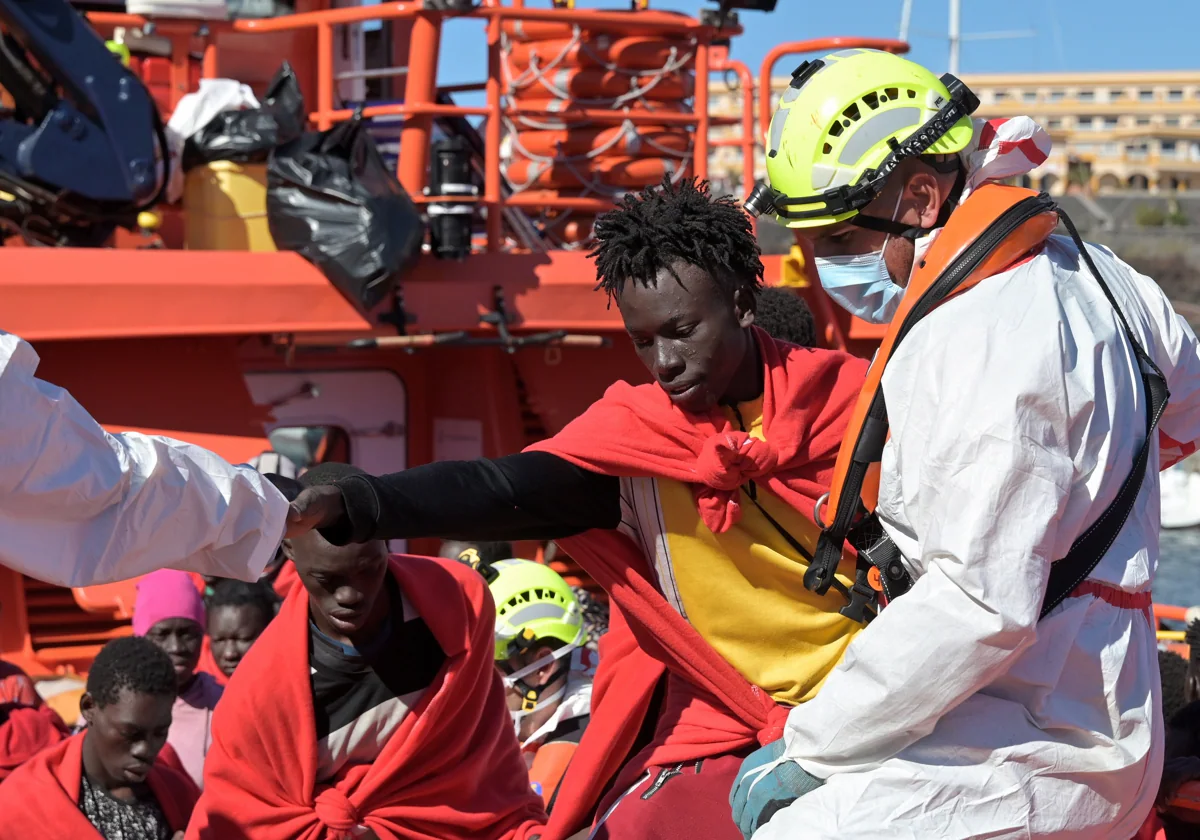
(79, 506)
(1016, 412)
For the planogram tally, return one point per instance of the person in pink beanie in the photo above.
(169, 611)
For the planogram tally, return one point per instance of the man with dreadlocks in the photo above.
(686, 499)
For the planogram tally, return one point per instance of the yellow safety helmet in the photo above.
(845, 123)
(533, 604)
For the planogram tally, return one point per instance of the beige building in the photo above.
(1112, 132)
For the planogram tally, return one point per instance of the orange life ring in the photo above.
(627, 172)
(560, 68)
(565, 106)
(638, 141)
(597, 83)
(636, 52)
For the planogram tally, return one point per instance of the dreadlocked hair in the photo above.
(659, 226)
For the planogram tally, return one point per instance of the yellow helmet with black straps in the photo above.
(845, 123)
(533, 604)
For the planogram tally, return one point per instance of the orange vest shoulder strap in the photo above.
(993, 229)
(964, 229)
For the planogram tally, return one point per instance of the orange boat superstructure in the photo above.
(493, 351)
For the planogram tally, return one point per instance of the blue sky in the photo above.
(1070, 34)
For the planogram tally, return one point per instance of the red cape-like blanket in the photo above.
(25, 732)
(636, 432)
(41, 798)
(452, 771)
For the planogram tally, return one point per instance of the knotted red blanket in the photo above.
(452, 771)
(636, 431)
(26, 731)
(710, 708)
(41, 797)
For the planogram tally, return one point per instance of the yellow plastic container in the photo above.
(226, 206)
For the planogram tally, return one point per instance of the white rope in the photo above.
(545, 74)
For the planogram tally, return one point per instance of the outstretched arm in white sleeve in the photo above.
(981, 444)
(79, 506)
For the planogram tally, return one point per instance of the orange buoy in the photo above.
(614, 172)
(563, 69)
(596, 83)
(612, 53)
(625, 140)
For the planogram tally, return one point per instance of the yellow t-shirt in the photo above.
(743, 590)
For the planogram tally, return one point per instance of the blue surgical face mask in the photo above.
(860, 283)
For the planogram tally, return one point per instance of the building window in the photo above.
(1143, 121)
(1110, 150)
(1111, 122)
(1116, 95)
(1167, 147)
(1056, 96)
(1137, 151)
(1175, 96)
(1171, 122)
(1087, 96)
(1029, 96)
(1145, 96)
(1054, 123)
(999, 96)
(1084, 148)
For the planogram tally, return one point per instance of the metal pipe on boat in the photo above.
(748, 142)
(556, 338)
(492, 194)
(420, 89)
(324, 76)
(700, 107)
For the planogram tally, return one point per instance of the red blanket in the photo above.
(208, 664)
(710, 708)
(287, 579)
(636, 431)
(452, 770)
(26, 731)
(41, 798)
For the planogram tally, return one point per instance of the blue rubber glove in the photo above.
(766, 784)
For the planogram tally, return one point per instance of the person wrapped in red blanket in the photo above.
(395, 724)
(108, 781)
(27, 724)
(24, 732)
(688, 500)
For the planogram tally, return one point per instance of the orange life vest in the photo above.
(995, 228)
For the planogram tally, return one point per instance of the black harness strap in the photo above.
(877, 551)
(1091, 546)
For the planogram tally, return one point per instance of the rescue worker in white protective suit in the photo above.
(79, 506)
(1016, 409)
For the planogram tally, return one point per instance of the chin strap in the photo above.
(912, 232)
(531, 695)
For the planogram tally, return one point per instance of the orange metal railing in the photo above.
(419, 106)
(720, 62)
